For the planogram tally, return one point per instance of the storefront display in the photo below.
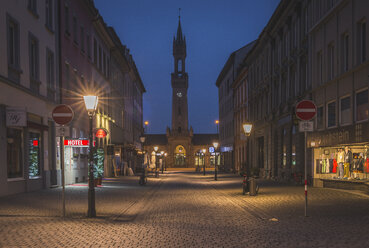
(350, 162)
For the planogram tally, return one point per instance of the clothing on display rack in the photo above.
(334, 170)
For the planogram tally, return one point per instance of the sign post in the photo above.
(62, 115)
(305, 111)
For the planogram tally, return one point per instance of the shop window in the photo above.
(331, 114)
(362, 105)
(14, 153)
(319, 118)
(345, 114)
(34, 154)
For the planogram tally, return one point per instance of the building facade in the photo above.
(57, 52)
(28, 93)
(339, 78)
(277, 80)
(227, 132)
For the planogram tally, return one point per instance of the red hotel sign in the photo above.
(77, 142)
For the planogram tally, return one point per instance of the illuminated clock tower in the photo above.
(179, 86)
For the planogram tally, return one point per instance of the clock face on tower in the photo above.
(179, 94)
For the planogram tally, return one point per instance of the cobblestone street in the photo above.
(186, 210)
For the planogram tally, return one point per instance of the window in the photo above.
(330, 61)
(49, 14)
(34, 63)
(362, 40)
(34, 155)
(88, 45)
(104, 63)
(14, 153)
(100, 58)
(319, 118)
(320, 67)
(75, 38)
(362, 106)
(345, 105)
(13, 49)
(95, 52)
(345, 52)
(82, 39)
(179, 65)
(331, 114)
(32, 6)
(66, 19)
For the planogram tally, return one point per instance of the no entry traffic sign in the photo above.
(62, 114)
(305, 110)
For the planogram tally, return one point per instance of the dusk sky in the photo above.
(213, 30)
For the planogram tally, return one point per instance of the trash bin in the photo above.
(252, 185)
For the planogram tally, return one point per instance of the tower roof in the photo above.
(180, 39)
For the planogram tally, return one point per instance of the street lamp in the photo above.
(203, 153)
(215, 144)
(165, 161)
(217, 123)
(91, 105)
(247, 127)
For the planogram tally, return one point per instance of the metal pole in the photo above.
(215, 168)
(62, 171)
(203, 163)
(91, 187)
(305, 177)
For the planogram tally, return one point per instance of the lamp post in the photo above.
(203, 153)
(156, 159)
(247, 127)
(142, 140)
(91, 105)
(215, 144)
(165, 161)
(217, 123)
(162, 162)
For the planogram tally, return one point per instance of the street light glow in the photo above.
(215, 144)
(91, 103)
(156, 148)
(247, 127)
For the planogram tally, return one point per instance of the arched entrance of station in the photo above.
(180, 156)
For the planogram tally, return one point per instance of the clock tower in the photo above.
(179, 85)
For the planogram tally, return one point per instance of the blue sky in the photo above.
(213, 30)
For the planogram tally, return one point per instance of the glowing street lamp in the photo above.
(91, 105)
(247, 127)
(217, 123)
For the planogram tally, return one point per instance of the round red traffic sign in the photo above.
(305, 110)
(62, 114)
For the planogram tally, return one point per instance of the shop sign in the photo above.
(77, 142)
(211, 149)
(101, 133)
(16, 117)
(345, 135)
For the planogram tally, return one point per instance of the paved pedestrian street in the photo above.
(183, 209)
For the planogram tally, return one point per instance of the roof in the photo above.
(234, 59)
(156, 139)
(204, 139)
